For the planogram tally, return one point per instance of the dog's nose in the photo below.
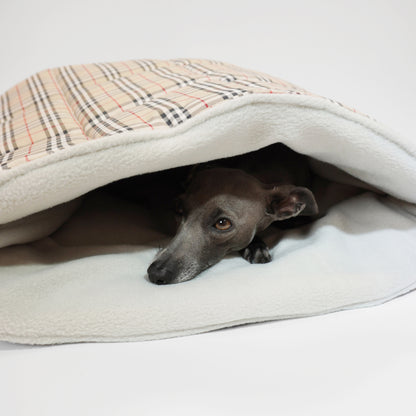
(160, 274)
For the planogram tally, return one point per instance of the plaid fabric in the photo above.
(62, 107)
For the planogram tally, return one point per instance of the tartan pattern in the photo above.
(62, 107)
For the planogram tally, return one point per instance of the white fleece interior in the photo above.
(87, 281)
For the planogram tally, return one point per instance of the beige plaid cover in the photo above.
(63, 107)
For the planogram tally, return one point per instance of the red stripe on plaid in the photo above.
(112, 98)
(27, 127)
(147, 79)
(191, 96)
(126, 65)
(154, 82)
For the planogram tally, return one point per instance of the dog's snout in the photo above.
(160, 273)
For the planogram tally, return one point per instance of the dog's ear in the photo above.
(289, 201)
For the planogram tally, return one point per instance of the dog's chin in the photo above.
(181, 280)
(188, 274)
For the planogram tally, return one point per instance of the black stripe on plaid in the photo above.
(226, 75)
(184, 81)
(224, 92)
(146, 64)
(63, 132)
(207, 71)
(5, 159)
(172, 114)
(6, 113)
(97, 117)
(179, 79)
(137, 93)
(118, 125)
(42, 113)
(108, 70)
(57, 135)
(254, 74)
(8, 141)
(235, 79)
(82, 103)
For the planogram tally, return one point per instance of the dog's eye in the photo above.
(223, 224)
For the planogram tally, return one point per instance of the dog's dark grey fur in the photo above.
(223, 206)
(226, 205)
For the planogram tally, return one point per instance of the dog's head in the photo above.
(221, 211)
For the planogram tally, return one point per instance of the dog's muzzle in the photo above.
(162, 272)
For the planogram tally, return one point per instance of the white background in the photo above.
(357, 362)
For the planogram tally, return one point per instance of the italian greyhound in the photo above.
(226, 205)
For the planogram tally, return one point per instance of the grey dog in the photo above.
(226, 205)
(216, 208)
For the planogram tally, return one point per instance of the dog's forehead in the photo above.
(229, 206)
(224, 187)
(224, 180)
